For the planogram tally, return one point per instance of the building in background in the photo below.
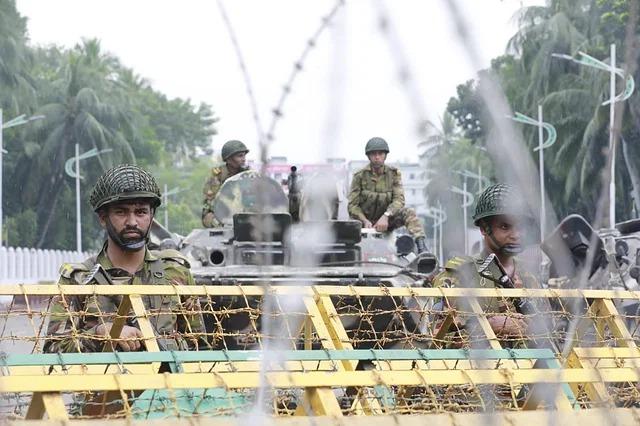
(278, 168)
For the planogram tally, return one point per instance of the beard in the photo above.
(128, 239)
(136, 241)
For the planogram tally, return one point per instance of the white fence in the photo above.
(29, 266)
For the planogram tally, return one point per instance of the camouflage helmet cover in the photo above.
(376, 144)
(124, 182)
(500, 199)
(233, 147)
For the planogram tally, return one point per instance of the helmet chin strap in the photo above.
(131, 246)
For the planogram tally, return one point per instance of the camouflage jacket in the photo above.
(450, 277)
(372, 195)
(177, 321)
(211, 187)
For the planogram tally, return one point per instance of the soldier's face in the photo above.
(377, 158)
(505, 230)
(237, 161)
(130, 221)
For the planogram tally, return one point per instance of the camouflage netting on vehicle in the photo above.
(336, 350)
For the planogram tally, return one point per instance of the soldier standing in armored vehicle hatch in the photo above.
(502, 216)
(377, 198)
(234, 156)
(125, 199)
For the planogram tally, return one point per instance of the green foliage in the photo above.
(571, 96)
(88, 98)
(21, 229)
(185, 207)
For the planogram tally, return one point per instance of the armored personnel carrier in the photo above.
(259, 245)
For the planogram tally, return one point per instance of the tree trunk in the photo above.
(633, 172)
(47, 223)
(50, 203)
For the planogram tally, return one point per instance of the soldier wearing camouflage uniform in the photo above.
(234, 157)
(501, 215)
(125, 199)
(377, 197)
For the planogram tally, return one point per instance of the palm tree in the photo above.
(79, 108)
(18, 91)
(571, 96)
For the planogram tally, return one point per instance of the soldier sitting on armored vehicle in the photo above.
(501, 215)
(125, 199)
(234, 156)
(377, 198)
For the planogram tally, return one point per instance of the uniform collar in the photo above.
(370, 168)
(104, 260)
(230, 173)
(485, 253)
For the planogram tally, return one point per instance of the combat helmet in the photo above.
(500, 199)
(376, 144)
(124, 182)
(233, 147)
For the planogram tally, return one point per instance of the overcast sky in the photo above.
(348, 91)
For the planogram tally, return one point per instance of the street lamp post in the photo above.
(467, 200)
(629, 87)
(543, 144)
(21, 119)
(443, 219)
(478, 176)
(165, 201)
(68, 167)
(439, 217)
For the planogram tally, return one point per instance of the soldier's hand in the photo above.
(207, 220)
(129, 339)
(382, 224)
(513, 325)
(366, 224)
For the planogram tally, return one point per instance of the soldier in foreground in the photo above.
(234, 156)
(501, 215)
(125, 199)
(377, 198)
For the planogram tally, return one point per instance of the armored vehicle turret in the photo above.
(259, 245)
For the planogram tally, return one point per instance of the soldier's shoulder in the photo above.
(453, 269)
(69, 271)
(217, 170)
(458, 263)
(361, 171)
(172, 256)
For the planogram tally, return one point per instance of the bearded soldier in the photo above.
(125, 199)
(234, 156)
(377, 198)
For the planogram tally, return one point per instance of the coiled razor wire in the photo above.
(298, 66)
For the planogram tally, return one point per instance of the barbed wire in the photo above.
(404, 69)
(245, 72)
(298, 66)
